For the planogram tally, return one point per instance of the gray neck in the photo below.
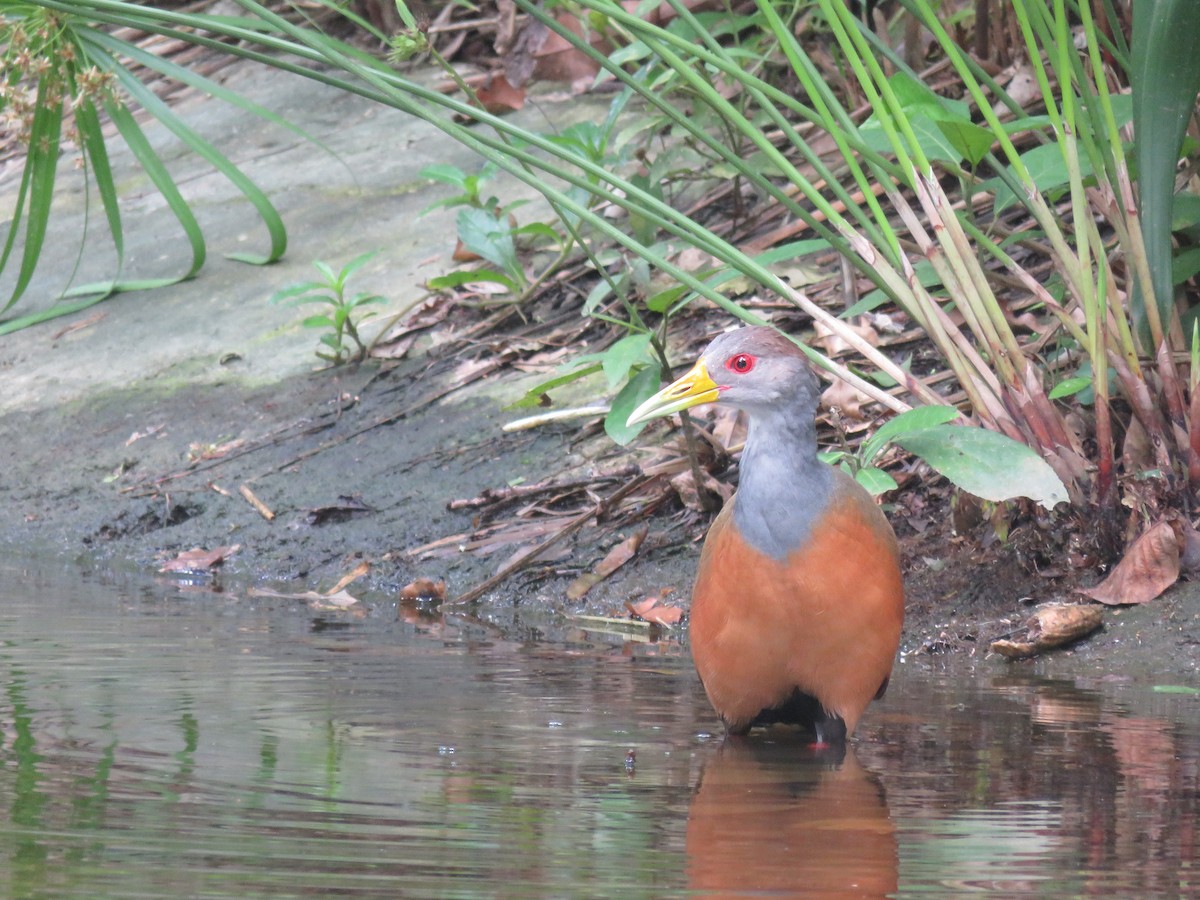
(783, 487)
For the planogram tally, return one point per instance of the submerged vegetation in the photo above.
(1004, 185)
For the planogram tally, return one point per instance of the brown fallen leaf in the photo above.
(652, 610)
(846, 398)
(1150, 566)
(198, 559)
(424, 589)
(616, 557)
(1050, 627)
(315, 599)
(498, 96)
(343, 510)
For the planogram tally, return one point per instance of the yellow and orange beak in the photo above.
(690, 390)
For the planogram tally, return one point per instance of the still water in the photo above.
(156, 742)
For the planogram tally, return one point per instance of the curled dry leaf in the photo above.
(198, 559)
(498, 96)
(652, 610)
(425, 589)
(1050, 627)
(1150, 566)
(616, 557)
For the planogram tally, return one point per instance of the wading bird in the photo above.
(798, 602)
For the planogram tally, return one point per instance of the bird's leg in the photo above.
(829, 729)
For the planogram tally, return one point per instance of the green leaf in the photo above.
(1164, 74)
(458, 279)
(876, 481)
(37, 184)
(1185, 265)
(630, 351)
(917, 419)
(970, 140)
(1048, 170)
(319, 321)
(1175, 689)
(485, 235)
(986, 464)
(639, 389)
(445, 173)
(535, 395)
(661, 301)
(137, 142)
(198, 145)
(1068, 387)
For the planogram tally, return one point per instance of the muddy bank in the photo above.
(360, 466)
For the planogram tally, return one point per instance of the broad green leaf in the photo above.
(1185, 265)
(1068, 387)
(445, 173)
(485, 235)
(640, 388)
(971, 141)
(917, 419)
(630, 351)
(876, 481)
(1048, 170)
(1164, 74)
(986, 464)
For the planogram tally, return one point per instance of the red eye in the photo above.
(741, 363)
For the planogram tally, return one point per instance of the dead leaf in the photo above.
(1050, 627)
(198, 559)
(315, 599)
(652, 610)
(1150, 566)
(425, 589)
(846, 398)
(555, 59)
(498, 96)
(198, 451)
(833, 343)
(345, 508)
(138, 435)
(616, 557)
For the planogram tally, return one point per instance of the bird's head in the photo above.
(756, 369)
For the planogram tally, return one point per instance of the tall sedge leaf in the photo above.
(198, 145)
(1165, 77)
(90, 133)
(135, 138)
(37, 185)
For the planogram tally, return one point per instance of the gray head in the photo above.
(756, 369)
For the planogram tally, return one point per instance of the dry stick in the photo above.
(524, 491)
(566, 531)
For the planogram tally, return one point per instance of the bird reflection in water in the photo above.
(777, 817)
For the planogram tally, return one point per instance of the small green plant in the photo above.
(342, 342)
